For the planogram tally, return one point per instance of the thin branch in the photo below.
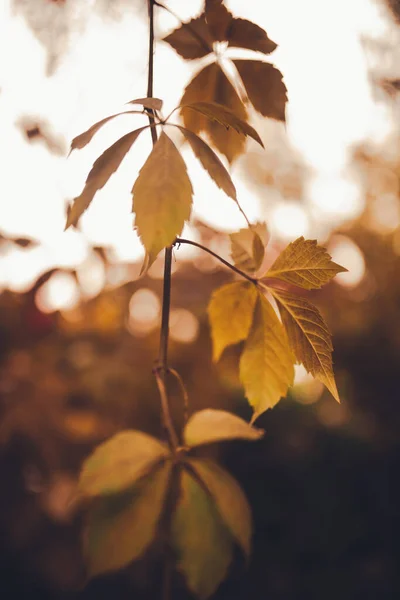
(164, 334)
(185, 395)
(150, 74)
(218, 257)
(159, 373)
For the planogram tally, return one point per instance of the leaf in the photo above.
(229, 498)
(246, 34)
(152, 103)
(191, 40)
(309, 337)
(247, 248)
(230, 312)
(100, 173)
(203, 545)
(266, 365)
(304, 264)
(210, 162)
(83, 139)
(162, 196)
(211, 85)
(120, 528)
(119, 462)
(210, 425)
(218, 19)
(264, 86)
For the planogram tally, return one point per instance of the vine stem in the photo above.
(218, 257)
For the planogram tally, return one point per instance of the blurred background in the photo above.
(79, 333)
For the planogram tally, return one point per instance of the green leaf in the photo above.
(247, 247)
(119, 462)
(100, 173)
(229, 499)
(266, 365)
(210, 162)
(210, 425)
(246, 34)
(212, 85)
(202, 543)
(152, 103)
(121, 527)
(264, 86)
(83, 139)
(304, 264)
(162, 196)
(231, 312)
(191, 40)
(309, 337)
(226, 117)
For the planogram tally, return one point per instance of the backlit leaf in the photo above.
(153, 103)
(191, 40)
(305, 264)
(202, 543)
(245, 34)
(230, 312)
(264, 86)
(309, 337)
(121, 527)
(210, 162)
(218, 19)
(211, 425)
(266, 364)
(100, 173)
(119, 462)
(247, 248)
(210, 85)
(162, 196)
(84, 138)
(229, 498)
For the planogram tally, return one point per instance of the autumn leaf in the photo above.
(218, 19)
(229, 499)
(121, 527)
(309, 337)
(100, 173)
(211, 425)
(264, 86)
(120, 462)
(246, 34)
(191, 40)
(210, 162)
(84, 138)
(162, 196)
(152, 103)
(199, 538)
(266, 364)
(231, 313)
(248, 248)
(211, 85)
(304, 264)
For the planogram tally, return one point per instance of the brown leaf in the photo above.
(309, 337)
(191, 40)
(264, 86)
(218, 19)
(152, 103)
(212, 86)
(84, 138)
(247, 247)
(100, 173)
(211, 425)
(210, 162)
(245, 34)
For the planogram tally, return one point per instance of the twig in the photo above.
(159, 373)
(218, 257)
(184, 393)
(150, 112)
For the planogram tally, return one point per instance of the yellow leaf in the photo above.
(245, 34)
(100, 173)
(202, 543)
(231, 312)
(229, 498)
(264, 86)
(191, 40)
(210, 425)
(304, 264)
(120, 462)
(266, 365)
(84, 138)
(210, 162)
(211, 85)
(162, 196)
(121, 527)
(309, 337)
(247, 247)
